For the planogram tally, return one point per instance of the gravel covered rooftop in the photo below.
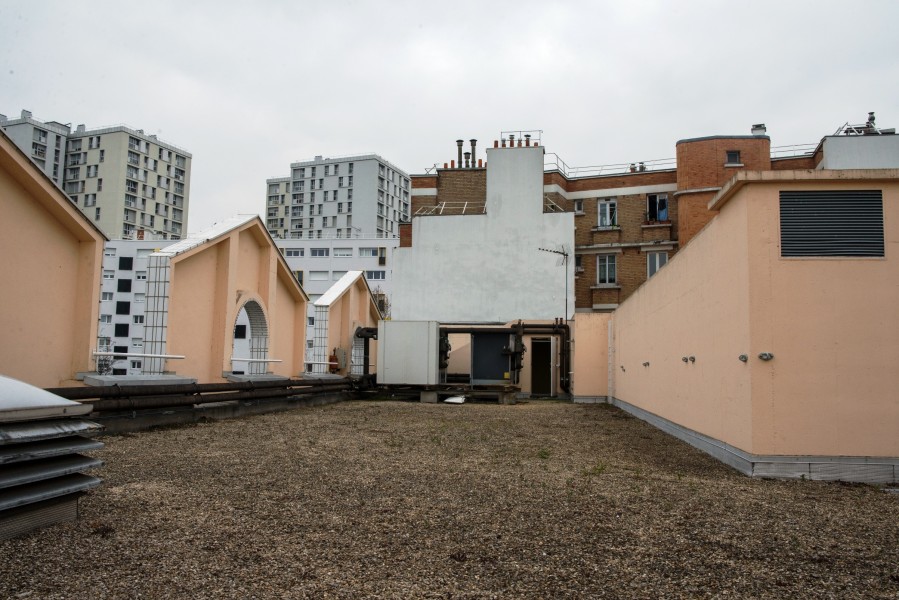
(406, 500)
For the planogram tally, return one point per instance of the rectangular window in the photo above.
(137, 319)
(106, 318)
(299, 276)
(732, 157)
(656, 207)
(608, 213)
(368, 252)
(123, 285)
(318, 275)
(137, 343)
(318, 252)
(605, 269)
(293, 252)
(579, 206)
(141, 275)
(831, 223)
(122, 356)
(310, 344)
(108, 274)
(240, 332)
(372, 275)
(122, 329)
(310, 321)
(126, 263)
(136, 364)
(123, 308)
(106, 296)
(655, 261)
(343, 252)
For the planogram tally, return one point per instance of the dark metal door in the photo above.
(489, 363)
(541, 367)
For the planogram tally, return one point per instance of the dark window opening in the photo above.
(240, 332)
(733, 157)
(124, 285)
(121, 330)
(657, 207)
(122, 308)
(123, 350)
(126, 263)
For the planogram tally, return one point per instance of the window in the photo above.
(299, 276)
(579, 206)
(121, 329)
(108, 274)
(310, 344)
(656, 207)
(368, 252)
(608, 213)
(103, 344)
(92, 170)
(100, 185)
(294, 252)
(240, 332)
(655, 261)
(122, 356)
(137, 342)
(343, 252)
(370, 275)
(318, 275)
(136, 364)
(831, 223)
(137, 319)
(123, 308)
(578, 263)
(733, 157)
(109, 251)
(310, 321)
(106, 318)
(605, 269)
(90, 200)
(106, 296)
(126, 263)
(318, 252)
(123, 285)
(102, 155)
(141, 275)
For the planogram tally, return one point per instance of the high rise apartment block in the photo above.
(338, 198)
(128, 183)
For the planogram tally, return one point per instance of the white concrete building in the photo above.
(130, 184)
(498, 266)
(319, 263)
(338, 198)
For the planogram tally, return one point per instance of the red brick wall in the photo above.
(700, 163)
(405, 235)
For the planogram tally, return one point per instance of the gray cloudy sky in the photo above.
(248, 88)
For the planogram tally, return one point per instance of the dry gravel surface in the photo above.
(374, 499)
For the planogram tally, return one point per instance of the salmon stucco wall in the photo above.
(696, 306)
(832, 325)
(51, 278)
(208, 287)
(590, 356)
(354, 308)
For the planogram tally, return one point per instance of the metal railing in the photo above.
(455, 208)
(552, 162)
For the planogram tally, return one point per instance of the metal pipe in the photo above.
(118, 391)
(255, 360)
(459, 144)
(136, 355)
(474, 143)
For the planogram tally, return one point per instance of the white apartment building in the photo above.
(130, 184)
(338, 198)
(320, 263)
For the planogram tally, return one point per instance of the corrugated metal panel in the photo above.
(17, 433)
(44, 490)
(831, 223)
(48, 468)
(871, 473)
(46, 448)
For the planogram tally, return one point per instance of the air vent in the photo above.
(831, 223)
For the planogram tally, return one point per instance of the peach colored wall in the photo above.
(590, 356)
(51, 278)
(831, 324)
(210, 284)
(697, 305)
(833, 327)
(460, 355)
(355, 308)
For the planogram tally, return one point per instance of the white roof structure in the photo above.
(198, 239)
(20, 401)
(340, 287)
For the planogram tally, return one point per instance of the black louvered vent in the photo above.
(831, 223)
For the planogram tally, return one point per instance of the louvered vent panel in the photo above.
(831, 223)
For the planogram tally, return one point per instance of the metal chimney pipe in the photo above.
(467, 159)
(527, 139)
(459, 144)
(473, 144)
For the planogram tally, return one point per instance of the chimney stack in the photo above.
(474, 143)
(467, 159)
(759, 129)
(459, 144)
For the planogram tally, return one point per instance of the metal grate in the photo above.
(831, 223)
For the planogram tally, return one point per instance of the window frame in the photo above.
(603, 261)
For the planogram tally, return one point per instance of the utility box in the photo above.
(408, 352)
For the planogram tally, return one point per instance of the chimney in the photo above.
(474, 143)
(459, 144)
(527, 140)
(759, 129)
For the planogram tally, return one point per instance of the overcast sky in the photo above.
(248, 88)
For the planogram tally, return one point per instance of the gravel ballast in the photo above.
(407, 500)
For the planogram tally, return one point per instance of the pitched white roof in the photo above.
(198, 239)
(342, 285)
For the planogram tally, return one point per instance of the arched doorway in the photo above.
(250, 340)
